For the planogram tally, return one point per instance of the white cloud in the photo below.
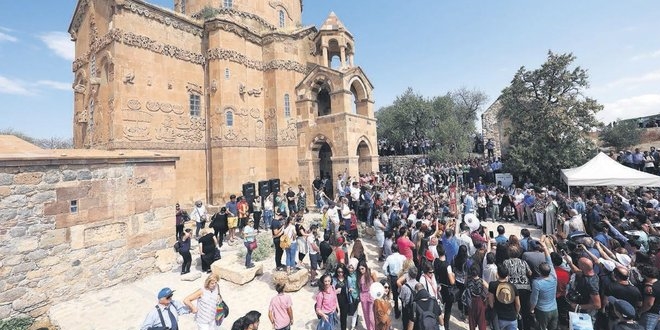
(55, 84)
(7, 37)
(16, 87)
(649, 77)
(643, 56)
(60, 43)
(632, 107)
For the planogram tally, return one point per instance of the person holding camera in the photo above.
(583, 293)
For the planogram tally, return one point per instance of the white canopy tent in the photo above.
(605, 171)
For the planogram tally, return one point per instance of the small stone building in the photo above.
(77, 220)
(240, 90)
(492, 127)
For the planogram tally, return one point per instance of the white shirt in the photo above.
(465, 239)
(395, 262)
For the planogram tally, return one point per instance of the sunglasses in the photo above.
(386, 286)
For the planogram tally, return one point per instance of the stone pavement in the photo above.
(125, 306)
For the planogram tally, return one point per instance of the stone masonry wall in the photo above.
(48, 253)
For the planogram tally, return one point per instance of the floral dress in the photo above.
(302, 201)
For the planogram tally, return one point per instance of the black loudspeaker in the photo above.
(264, 188)
(248, 191)
(274, 185)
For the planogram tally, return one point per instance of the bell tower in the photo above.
(333, 39)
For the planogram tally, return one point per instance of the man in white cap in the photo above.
(166, 313)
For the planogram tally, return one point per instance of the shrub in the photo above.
(17, 323)
(263, 251)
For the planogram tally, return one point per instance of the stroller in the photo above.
(509, 213)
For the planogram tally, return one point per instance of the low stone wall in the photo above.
(71, 226)
(399, 161)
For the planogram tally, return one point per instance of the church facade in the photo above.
(239, 90)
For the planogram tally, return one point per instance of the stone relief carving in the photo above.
(83, 5)
(243, 32)
(181, 128)
(170, 85)
(270, 114)
(241, 15)
(93, 31)
(79, 89)
(164, 18)
(82, 116)
(135, 40)
(255, 113)
(129, 76)
(255, 92)
(236, 57)
(193, 88)
(149, 81)
(241, 89)
(154, 106)
(288, 133)
(137, 125)
(214, 86)
(134, 104)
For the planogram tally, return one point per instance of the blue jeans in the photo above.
(268, 218)
(199, 226)
(330, 324)
(650, 321)
(508, 325)
(291, 254)
(248, 255)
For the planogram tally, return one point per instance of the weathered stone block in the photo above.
(14, 201)
(13, 260)
(52, 177)
(191, 276)
(104, 233)
(229, 268)
(17, 232)
(30, 178)
(43, 197)
(56, 208)
(22, 190)
(53, 237)
(165, 260)
(37, 255)
(292, 282)
(5, 191)
(76, 192)
(30, 301)
(11, 295)
(7, 214)
(26, 245)
(69, 175)
(49, 261)
(84, 175)
(24, 267)
(6, 179)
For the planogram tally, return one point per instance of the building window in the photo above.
(287, 106)
(229, 118)
(73, 206)
(228, 3)
(195, 101)
(183, 6)
(227, 73)
(282, 18)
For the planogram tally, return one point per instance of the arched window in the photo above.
(227, 74)
(229, 118)
(228, 3)
(287, 106)
(282, 18)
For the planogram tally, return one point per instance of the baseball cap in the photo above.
(608, 264)
(165, 292)
(623, 307)
(624, 259)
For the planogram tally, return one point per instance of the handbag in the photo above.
(221, 310)
(579, 321)
(252, 245)
(177, 246)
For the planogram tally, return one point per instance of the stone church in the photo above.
(240, 90)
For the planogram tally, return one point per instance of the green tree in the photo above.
(622, 135)
(447, 120)
(407, 118)
(550, 119)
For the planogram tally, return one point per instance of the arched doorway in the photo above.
(364, 158)
(325, 167)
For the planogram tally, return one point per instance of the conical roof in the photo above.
(332, 23)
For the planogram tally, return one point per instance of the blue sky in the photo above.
(432, 46)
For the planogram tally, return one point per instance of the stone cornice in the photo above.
(253, 144)
(255, 37)
(236, 57)
(139, 41)
(146, 145)
(162, 16)
(233, 13)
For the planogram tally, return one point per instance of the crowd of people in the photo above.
(597, 255)
(647, 161)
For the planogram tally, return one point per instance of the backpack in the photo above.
(177, 246)
(472, 290)
(285, 241)
(426, 319)
(331, 262)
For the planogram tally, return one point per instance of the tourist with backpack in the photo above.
(474, 298)
(407, 296)
(427, 313)
(504, 299)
